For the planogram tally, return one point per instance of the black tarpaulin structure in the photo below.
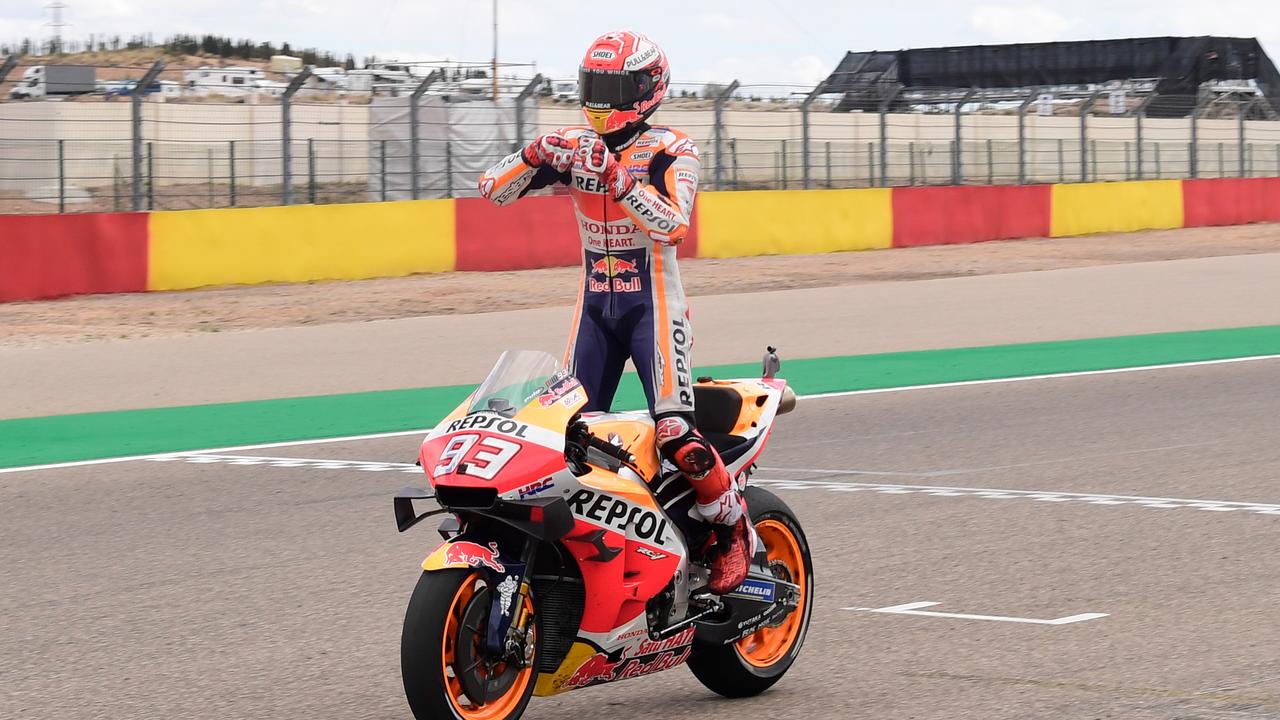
(1178, 65)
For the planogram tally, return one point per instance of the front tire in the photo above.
(754, 663)
(441, 653)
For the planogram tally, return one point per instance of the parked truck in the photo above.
(56, 80)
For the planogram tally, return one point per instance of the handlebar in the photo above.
(609, 449)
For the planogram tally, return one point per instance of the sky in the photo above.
(754, 41)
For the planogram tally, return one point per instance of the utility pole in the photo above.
(495, 50)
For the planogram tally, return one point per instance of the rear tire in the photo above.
(753, 664)
(435, 647)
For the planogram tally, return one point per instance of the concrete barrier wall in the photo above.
(43, 256)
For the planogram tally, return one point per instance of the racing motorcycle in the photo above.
(573, 555)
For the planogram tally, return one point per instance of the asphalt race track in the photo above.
(233, 587)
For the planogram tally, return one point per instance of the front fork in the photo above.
(510, 623)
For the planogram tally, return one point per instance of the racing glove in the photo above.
(593, 156)
(553, 150)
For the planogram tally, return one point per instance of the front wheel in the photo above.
(753, 664)
(442, 653)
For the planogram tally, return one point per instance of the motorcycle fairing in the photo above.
(628, 653)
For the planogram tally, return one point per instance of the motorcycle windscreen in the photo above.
(532, 387)
(525, 403)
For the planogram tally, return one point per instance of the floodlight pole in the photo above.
(718, 131)
(1085, 107)
(804, 128)
(135, 99)
(1022, 135)
(286, 134)
(957, 160)
(414, 97)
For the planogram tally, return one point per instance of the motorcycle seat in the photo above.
(716, 409)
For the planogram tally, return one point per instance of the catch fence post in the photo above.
(1222, 170)
(311, 170)
(911, 162)
(382, 168)
(1062, 168)
(829, 185)
(871, 164)
(116, 181)
(717, 131)
(286, 134)
(414, 155)
(1193, 152)
(991, 164)
(1127, 172)
(1240, 134)
(209, 173)
(733, 151)
(231, 170)
(448, 168)
(62, 177)
(521, 99)
(151, 176)
(1140, 117)
(135, 101)
(1022, 135)
(884, 135)
(957, 162)
(804, 128)
(1159, 169)
(782, 162)
(1085, 107)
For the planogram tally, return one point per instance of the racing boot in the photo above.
(733, 551)
(718, 502)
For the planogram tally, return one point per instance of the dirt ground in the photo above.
(108, 317)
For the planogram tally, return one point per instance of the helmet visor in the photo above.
(601, 88)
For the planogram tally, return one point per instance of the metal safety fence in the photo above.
(166, 141)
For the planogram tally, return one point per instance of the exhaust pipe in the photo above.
(788, 401)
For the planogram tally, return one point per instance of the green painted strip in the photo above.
(89, 436)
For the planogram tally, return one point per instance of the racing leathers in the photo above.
(633, 197)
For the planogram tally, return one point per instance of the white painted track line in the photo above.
(815, 396)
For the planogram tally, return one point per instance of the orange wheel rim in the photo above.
(768, 645)
(499, 707)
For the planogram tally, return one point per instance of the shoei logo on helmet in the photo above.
(602, 54)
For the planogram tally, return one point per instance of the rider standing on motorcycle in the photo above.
(633, 187)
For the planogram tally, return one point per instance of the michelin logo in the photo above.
(756, 590)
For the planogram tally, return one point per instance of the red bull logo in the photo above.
(613, 266)
(652, 657)
(469, 553)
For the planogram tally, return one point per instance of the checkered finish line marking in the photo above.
(1004, 494)
(287, 462)
(781, 484)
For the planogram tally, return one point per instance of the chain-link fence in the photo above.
(224, 137)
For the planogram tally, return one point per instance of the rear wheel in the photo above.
(754, 663)
(442, 655)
